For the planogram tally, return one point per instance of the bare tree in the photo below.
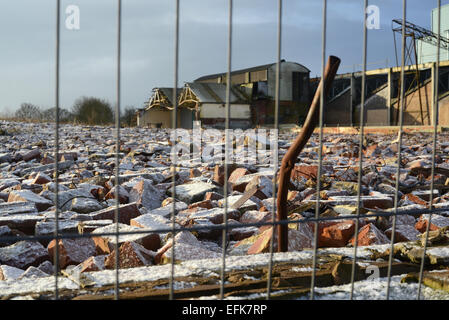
(50, 115)
(129, 117)
(28, 112)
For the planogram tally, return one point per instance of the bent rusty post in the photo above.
(289, 159)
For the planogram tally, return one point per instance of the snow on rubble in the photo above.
(148, 203)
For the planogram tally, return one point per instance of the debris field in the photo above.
(87, 203)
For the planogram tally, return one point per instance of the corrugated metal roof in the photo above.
(168, 92)
(216, 93)
(253, 69)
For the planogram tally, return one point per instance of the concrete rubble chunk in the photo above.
(187, 241)
(403, 233)
(248, 205)
(238, 234)
(85, 205)
(41, 203)
(5, 157)
(264, 184)
(145, 194)
(91, 225)
(126, 212)
(45, 228)
(187, 247)
(192, 192)
(123, 195)
(22, 222)
(23, 254)
(254, 216)
(297, 241)
(66, 197)
(184, 252)
(216, 215)
(46, 267)
(72, 251)
(105, 244)
(9, 273)
(131, 255)
(94, 263)
(33, 272)
(5, 231)
(63, 165)
(152, 222)
(33, 154)
(7, 183)
(167, 211)
(41, 178)
(237, 174)
(213, 196)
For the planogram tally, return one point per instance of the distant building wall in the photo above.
(163, 118)
(416, 113)
(216, 110)
(156, 118)
(376, 109)
(443, 115)
(291, 74)
(337, 112)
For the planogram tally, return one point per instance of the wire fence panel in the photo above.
(174, 126)
(362, 127)
(56, 173)
(209, 220)
(434, 147)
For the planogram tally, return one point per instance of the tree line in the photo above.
(86, 110)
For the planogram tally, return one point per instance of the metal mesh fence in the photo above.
(225, 228)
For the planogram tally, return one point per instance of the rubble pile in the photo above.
(87, 196)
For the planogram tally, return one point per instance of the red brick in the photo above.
(437, 222)
(212, 196)
(369, 235)
(194, 172)
(41, 179)
(236, 174)
(201, 204)
(72, 251)
(415, 199)
(336, 235)
(131, 255)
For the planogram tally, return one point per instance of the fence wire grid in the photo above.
(226, 227)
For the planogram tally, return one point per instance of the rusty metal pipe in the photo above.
(289, 159)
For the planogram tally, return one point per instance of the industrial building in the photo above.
(427, 51)
(251, 98)
(383, 86)
(208, 102)
(294, 92)
(157, 112)
(383, 97)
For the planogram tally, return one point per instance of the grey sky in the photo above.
(88, 56)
